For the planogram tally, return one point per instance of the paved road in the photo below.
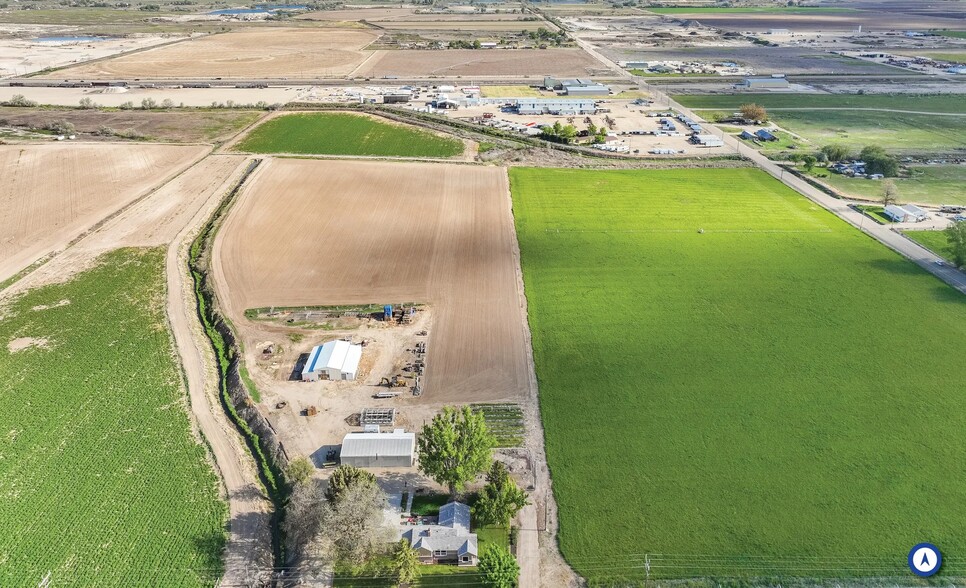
(891, 239)
(249, 527)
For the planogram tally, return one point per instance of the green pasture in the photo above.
(944, 103)
(927, 184)
(725, 389)
(934, 241)
(102, 482)
(337, 133)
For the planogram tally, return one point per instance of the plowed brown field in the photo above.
(246, 53)
(481, 62)
(338, 232)
(52, 193)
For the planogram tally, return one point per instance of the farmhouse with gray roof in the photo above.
(449, 540)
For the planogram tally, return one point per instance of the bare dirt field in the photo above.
(339, 232)
(52, 193)
(244, 53)
(187, 126)
(482, 62)
(355, 14)
(20, 56)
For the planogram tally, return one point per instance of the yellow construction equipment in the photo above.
(395, 382)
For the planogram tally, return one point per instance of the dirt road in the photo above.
(246, 556)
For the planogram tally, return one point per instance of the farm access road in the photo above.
(248, 552)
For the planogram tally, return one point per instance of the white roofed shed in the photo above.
(379, 450)
(335, 360)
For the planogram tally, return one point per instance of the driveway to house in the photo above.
(528, 547)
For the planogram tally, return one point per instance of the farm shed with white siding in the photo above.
(379, 450)
(335, 360)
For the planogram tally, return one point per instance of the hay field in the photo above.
(721, 398)
(342, 133)
(52, 193)
(310, 232)
(244, 53)
(103, 483)
(481, 62)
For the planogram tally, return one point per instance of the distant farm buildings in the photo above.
(379, 450)
(555, 106)
(576, 86)
(335, 360)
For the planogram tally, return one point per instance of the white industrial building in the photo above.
(335, 360)
(914, 213)
(589, 90)
(772, 83)
(896, 213)
(707, 140)
(555, 106)
(379, 450)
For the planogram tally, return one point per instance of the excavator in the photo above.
(394, 382)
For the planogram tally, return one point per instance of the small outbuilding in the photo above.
(379, 450)
(765, 135)
(335, 360)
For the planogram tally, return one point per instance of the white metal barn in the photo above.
(896, 213)
(335, 360)
(379, 450)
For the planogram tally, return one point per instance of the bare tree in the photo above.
(753, 111)
(890, 193)
(354, 528)
(303, 516)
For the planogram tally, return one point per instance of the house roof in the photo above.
(436, 538)
(455, 515)
(395, 444)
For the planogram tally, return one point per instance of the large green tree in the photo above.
(344, 477)
(299, 471)
(877, 161)
(498, 568)
(405, 563)
(501, 499)
(835, 152)
(455, 447)
(956, 234)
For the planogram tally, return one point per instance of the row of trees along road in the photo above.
(341, 523)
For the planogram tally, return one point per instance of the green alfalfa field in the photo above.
(340, 133)
(735, 383)
(101, 481)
